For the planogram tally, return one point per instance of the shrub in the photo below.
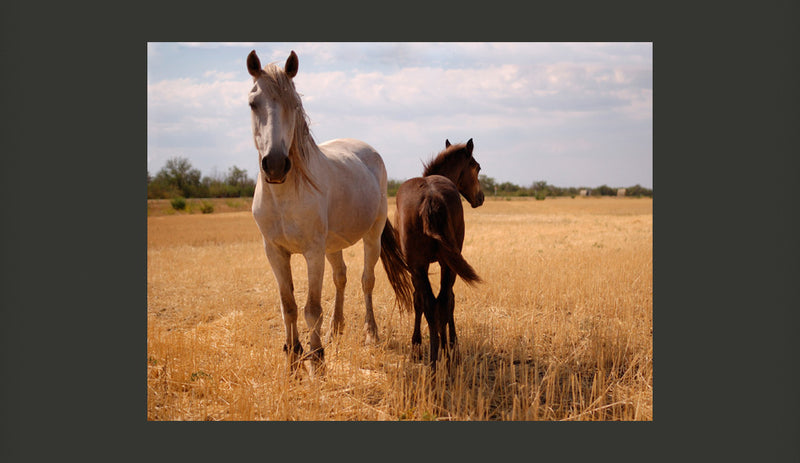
(207, 208)
(178, 203)
(605, 190)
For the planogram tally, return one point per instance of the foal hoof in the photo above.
(416, 352)
(454, 357)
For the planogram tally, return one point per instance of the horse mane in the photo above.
(281, 87)
(439, 163)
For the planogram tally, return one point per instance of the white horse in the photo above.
(315, 201)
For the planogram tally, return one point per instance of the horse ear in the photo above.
(470, 146)
(446, 143)
(253, 64)
(292, 64)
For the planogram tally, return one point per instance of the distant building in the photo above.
(621, 192)
(585, 192)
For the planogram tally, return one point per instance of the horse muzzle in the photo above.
(478, 200)
(276, 167)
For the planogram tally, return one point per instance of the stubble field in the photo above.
(560, 330)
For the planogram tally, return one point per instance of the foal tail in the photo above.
(396, 268)
(436, 225)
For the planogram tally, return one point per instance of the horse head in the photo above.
(467, 181)
(276, 112)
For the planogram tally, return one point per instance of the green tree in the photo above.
(241, 183)
(178, 177)
(488, 184)
(539, 186)
(507, 188)
(236, 177)
(605, 190)
(392, 186)
(638, 190)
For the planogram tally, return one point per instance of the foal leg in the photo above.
(446, 306)
(425, 301)
(313, 310)
(372, 252)
(279, 260)
(339, 280)
(419, 308)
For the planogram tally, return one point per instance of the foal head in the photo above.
(457, 163)
(279, 122)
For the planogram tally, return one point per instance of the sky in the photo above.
(570, 114)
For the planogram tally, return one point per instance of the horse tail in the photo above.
(436, 225)
(396, 268)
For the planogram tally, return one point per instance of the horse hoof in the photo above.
(372, 337)
(317, 356)
(294, 359)
(334, 333)
(317, 369)
(336, 328)
(295, 369)
(416, 353)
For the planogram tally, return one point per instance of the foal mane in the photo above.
(281, 87)
(439, 163)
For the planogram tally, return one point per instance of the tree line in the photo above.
(179, 179)
(541, 189)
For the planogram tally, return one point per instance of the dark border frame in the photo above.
(74, 234)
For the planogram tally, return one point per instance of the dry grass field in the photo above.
(560, 330)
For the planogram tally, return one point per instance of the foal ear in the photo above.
(446, 143)
(253, 64)
(292, 64)
(470, 146)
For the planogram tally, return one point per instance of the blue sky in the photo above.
(571, 114)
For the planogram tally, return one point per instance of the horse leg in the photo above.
(372, 252)
(419, 308)
(339, 280)
(279, 260)
(425, 301)
(446, 306)
(315, 262)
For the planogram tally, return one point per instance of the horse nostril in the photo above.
(275, 167)
(273, 164)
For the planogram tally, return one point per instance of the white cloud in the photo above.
(219, 75)
(208, 96)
